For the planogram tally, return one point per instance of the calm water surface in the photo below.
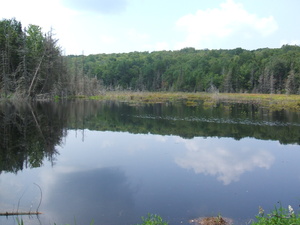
(113, 163)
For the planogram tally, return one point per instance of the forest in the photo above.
(32, 65)
(190, 70)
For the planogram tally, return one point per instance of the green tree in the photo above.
(10, 56)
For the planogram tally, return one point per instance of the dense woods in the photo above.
(237, 70)
(32, 65)
(30, 61)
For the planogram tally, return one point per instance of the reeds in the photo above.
(272, 101)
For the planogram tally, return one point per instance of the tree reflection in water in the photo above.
(29, 132)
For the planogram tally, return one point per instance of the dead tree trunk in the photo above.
(35, 76)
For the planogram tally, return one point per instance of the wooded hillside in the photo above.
(238, 70)
(32, 64)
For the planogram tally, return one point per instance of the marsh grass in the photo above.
(190, 99)
(271, 101)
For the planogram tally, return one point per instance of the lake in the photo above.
(114, 162)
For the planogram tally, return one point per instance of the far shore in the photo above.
(271, 101)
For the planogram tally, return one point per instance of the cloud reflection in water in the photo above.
(224, 158)
(101, 194)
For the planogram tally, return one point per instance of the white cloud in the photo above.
(226, 164)
(125, 25)
(208, 27)
(46, 14)
(97, 6)
(108, 39)
(36, 12)
(134, 35)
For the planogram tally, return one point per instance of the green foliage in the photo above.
(31, 64)
(279, 216)
(35, 41)
(153, 219)
(30, 61)
(237, 70)
(56, 98)
(20, 222)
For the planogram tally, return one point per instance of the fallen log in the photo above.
(19, 213)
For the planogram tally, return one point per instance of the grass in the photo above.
(272, 101)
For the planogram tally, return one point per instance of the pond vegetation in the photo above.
(274, 102)
(247, 86)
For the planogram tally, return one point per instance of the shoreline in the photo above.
(271, 101)
(275, 102)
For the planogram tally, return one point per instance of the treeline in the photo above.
(32, 63)
(238, 70)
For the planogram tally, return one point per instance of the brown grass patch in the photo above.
(212, 221)
(271, 101)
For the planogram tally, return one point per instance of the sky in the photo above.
(118, 26)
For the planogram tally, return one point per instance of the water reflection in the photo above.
(115, 163)
(103, 192)
(224, 159)
(30, 132)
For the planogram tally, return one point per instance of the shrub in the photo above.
(279, 216)
(153, 219)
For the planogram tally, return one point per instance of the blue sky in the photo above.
(116, 26)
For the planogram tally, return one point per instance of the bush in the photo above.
(279, 216)
(153, 219)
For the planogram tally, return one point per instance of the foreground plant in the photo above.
(153, 219)
(281, 215)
